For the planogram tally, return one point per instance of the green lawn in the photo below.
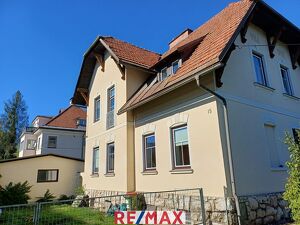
(55, 215)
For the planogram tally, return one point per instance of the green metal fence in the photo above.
(100, 210)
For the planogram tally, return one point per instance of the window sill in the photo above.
(150, 172)
(264, 86)
(278, 169)
(109, 174)
(182, 171)
(95, 175)
(291, 96)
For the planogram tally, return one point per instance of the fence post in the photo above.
(202, 206)
(226, 197)
(37, 211)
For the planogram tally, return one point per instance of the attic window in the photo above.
(164, 73)
(175, 66)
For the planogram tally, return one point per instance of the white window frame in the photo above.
(145, 151)
(97, 99)
(94, 161)
(55, 141)
(173, 129)
(262, 67)
(108, 154)
(33, 144)
(291, 91)
(47, 175)
(161, 73)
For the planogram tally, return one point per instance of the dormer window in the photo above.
(171, 68)
(81, 122)
(175, 66)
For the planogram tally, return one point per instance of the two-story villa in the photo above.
(210, 112)
(63, 134)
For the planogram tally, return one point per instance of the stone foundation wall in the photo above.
(264, 209)
(255, 210)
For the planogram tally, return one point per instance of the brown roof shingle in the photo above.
(68, 117)
(131, 53)
(216, 34)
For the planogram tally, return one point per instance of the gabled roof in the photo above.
(40, 156)
(215, 42)
(121, 51)
(209, 47)
(213, 36)
(68, 117)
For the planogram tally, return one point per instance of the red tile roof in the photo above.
(131, 53)
(216, 34)
(68, 117)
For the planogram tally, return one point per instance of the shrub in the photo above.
(48, 197)
(79, 191)
(15, 193)
(292, 193)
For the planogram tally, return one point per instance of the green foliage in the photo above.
(80, 191)
(65, 197)
(48, 197)
(12, 122)
(292, 193)
(14, 193)
(138, 202)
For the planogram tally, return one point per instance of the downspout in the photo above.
(228, 143)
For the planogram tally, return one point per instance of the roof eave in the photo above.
(201, 71)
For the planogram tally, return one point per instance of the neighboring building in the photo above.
(63, 134)
(210, 112)
(59, 174)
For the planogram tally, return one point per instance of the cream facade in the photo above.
(67, 176)
(220, 127)
(257, 106)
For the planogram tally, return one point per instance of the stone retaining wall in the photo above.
(264, 209)
(255, 210)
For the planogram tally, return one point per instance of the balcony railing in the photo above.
(110, 119)
(30, 129)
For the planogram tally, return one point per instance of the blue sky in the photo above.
(42, 42)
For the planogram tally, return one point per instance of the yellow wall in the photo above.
(121, 134)
(186, 105)
(252, 106)
(26, 169)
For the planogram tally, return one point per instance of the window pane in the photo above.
(181, 147)
(97, 109)
(180, 136)
(111, 99)
(178, 156)
(149, 152)
(175, 67)
(286, 81)
(150, 141)
(52, 141)
(164, 74)
(186, 154)
(110, 157)
(96, 160)
(259, 69)
(47, 175)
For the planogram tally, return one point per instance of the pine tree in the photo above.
(12, 122)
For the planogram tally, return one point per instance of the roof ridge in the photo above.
(132, 44)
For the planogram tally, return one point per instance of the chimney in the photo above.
(183, 35)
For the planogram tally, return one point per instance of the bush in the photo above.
(15, 193)
(65, 197)
(48, 197)
(292, 193)
(79, 191)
